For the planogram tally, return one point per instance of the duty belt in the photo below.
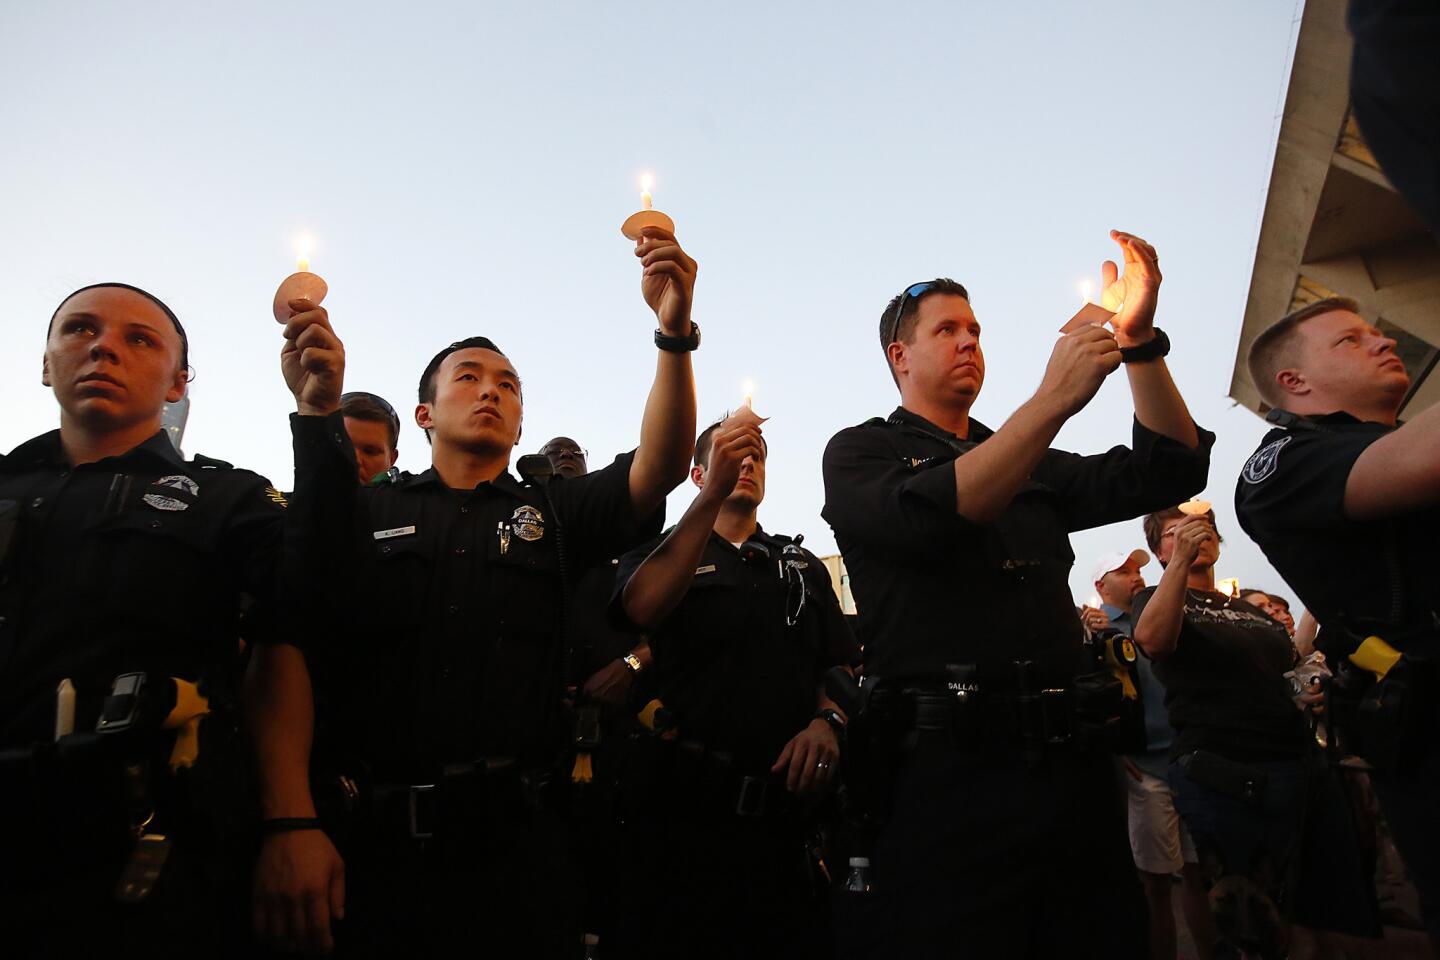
(469, 803)
(1032, 717)
(662, 773)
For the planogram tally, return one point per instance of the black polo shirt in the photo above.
(447, 604)
(741, 659)
(934, 588)
(1225, 684)
(139, 562)
(1379, 576)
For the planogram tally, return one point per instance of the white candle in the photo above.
(647, 183)
(64, 709)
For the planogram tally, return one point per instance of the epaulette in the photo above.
(210, 463)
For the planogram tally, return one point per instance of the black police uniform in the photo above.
(984, 850)
(142, 562)
(444, 661)
(717, 849)
(1360, 578)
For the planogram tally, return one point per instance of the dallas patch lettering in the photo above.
(528, 523)
(1260, 466)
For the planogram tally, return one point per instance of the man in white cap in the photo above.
(1117, 579)
(1158, 840)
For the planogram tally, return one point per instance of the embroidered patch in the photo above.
(161, 502)
(1260, 466)
(708, 568)
(393, 532)
(276, 497)
(528, 523)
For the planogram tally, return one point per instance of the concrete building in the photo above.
(1334, 225)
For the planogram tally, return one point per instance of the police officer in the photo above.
(118, 556)
(743, 625)
(1345, 502)
(1005, 834)
(452, 681)
(374, 429)
(567, 458)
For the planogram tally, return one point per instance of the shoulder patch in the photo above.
(276, 497)
(1264, 461)
(210, 463)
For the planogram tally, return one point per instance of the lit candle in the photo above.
(1095, 600)
(1087, 292)
(300, 285)
(1229, 586)
(647, 182)
(748, 389)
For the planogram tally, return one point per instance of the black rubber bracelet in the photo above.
(287, 824)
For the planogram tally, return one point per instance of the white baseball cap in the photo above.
(1111, 562)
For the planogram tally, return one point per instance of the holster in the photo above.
(1393, 722)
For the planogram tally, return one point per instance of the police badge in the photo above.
(1259, 467)
(528, 523)
(187, 489)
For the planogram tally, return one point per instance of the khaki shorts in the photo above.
(1159, 841)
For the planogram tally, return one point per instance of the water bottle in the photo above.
(858, 879)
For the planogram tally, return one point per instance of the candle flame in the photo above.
(1095, 600)
(304, 244)
(748, 390)
(1087, 291)
(647, 182)
(1229, 586)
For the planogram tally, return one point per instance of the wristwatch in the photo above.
(832, 716)
(678, 344)
(633, 662)
(1149, 350)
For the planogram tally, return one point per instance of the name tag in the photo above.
(396, 532)
(708, 568)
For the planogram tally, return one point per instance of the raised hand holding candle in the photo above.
(647, 216)
(300, 285)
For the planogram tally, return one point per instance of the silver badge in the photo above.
(177, 482)
(1259, 467)
(528, 523)
(173, 504)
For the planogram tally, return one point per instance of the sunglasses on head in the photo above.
(912, 292)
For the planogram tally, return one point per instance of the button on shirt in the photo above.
(1379, 576)
(446, 604)
(934, 588)
(139, 562)
(735, 674)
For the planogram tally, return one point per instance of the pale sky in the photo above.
(464, 169)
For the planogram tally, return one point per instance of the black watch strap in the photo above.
(679, 344)
(287, 824)
(1150, 350)
(832, 717)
